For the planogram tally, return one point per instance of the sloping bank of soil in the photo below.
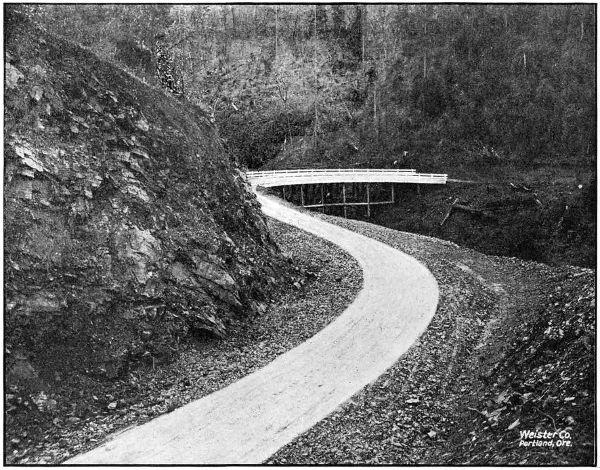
(510, 349)
(333, 278)
(546, 216)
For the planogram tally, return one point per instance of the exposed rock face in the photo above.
(126, 225)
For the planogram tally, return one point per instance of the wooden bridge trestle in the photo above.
(310, 192)
(312, 185)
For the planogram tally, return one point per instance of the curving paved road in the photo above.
(251, 419)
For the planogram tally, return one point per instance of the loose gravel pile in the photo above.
(330, 281)
(457, 397)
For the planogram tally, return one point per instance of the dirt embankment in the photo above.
(509, 351)
(542, 217)
(127, 227)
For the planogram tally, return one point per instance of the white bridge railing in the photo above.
(298, 177)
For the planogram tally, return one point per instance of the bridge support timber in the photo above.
(322, 196)
(344, 200)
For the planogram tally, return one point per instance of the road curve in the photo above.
(251, 419)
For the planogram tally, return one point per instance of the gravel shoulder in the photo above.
(509, 349)
(327, 280)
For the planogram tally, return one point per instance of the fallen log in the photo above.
(449, 212)
(509, 203)
(520, 187)
(470, 210)
(477, 212)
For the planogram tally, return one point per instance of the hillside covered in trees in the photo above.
(323, 85)
(502, 95)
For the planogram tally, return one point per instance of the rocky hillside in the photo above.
(127, 227)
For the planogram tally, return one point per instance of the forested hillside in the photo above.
(323, 85)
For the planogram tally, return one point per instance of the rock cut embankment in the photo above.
(127, 227)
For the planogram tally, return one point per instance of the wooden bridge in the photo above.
(350, 184)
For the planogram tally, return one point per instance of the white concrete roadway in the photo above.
(251, 419)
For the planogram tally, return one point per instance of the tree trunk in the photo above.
(363, 31)
(276, 28)
(295, 30)
(233, 23)
(375, 120)
(316, 120)
(315, 73)
(225, 34)
(254, 22)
